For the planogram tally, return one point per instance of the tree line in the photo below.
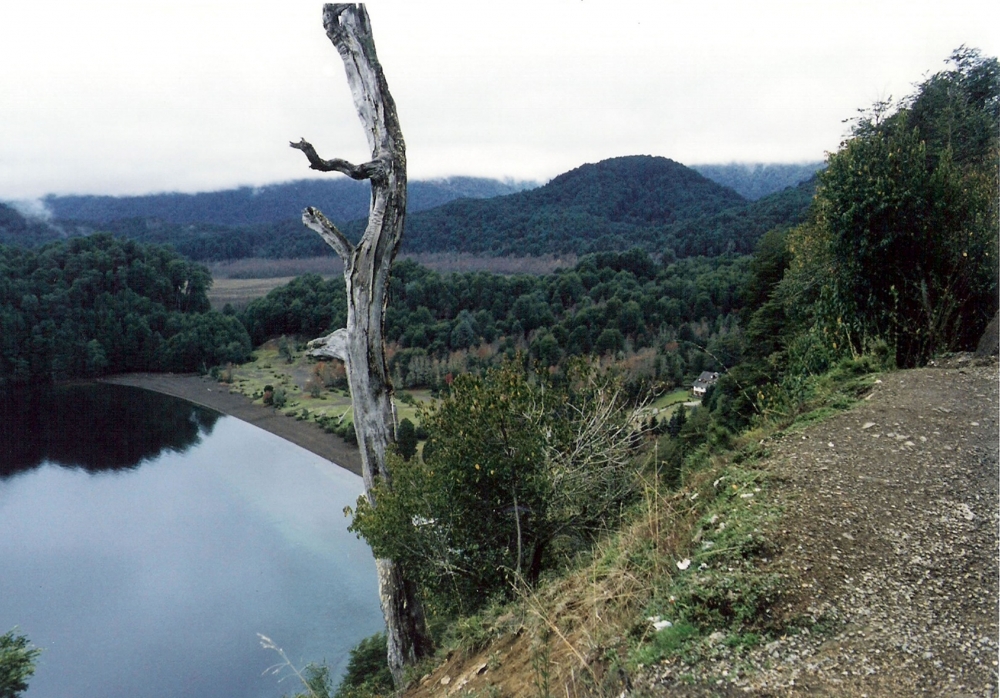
(682, 315)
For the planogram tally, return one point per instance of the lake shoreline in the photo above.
(206, 392)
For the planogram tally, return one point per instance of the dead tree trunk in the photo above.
(366, 272)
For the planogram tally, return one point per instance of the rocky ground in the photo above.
(890, 534)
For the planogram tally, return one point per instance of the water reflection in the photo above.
(94, 427)
(153, 581)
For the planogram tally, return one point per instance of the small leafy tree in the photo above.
(17, 664)
(520, 465)
(406, 439)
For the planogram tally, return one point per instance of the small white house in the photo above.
(706, 379)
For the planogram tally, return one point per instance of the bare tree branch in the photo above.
(368, 170)
(314, 219)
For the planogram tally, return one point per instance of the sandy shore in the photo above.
(206, 392)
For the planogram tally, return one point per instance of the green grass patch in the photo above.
(666, 643)
(672, 398)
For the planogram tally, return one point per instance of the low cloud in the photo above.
(34, 209)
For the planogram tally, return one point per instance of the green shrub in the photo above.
(17, 664)
(279, 398)
(406, 439)
(367, 670)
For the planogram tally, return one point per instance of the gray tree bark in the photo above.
(366, 272)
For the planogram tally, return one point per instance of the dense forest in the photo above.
(663, 321)
(97, 305)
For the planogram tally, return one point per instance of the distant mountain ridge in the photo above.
(16, 229)
(341, 199)
(756, 180)
(642, 201)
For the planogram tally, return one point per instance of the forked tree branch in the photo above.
(314, 219)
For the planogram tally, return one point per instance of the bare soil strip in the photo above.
(208, 393)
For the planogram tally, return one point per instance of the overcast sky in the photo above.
(128, 97)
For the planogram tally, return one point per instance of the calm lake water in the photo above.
(144, 542)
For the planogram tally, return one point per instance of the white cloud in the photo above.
(124, 97)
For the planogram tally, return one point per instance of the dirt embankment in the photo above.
(889, 538)
(209, 393)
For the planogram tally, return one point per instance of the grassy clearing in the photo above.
(665, 405)
(670, 399)
(306, 397)
(238, 293)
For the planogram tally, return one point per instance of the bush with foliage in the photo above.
(904, 238)
(17, 664)
(518, 469)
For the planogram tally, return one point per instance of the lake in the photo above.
(145, 542)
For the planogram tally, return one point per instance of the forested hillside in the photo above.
(97, 305)
(614, 205)
(654, 203)
(611, 205)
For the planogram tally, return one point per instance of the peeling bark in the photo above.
(366, 273)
